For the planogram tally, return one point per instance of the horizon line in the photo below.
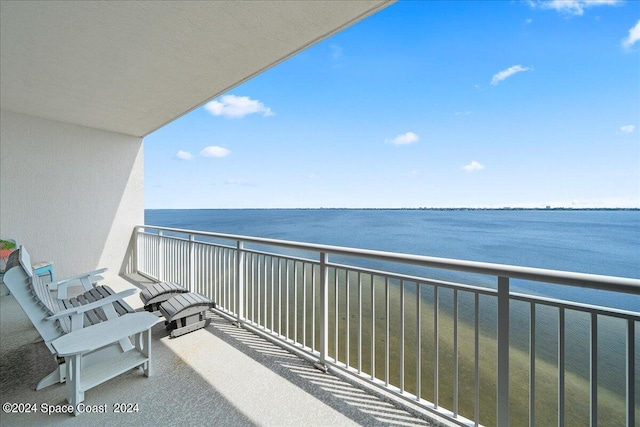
(505, 208)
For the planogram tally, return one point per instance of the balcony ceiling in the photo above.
(132, 67)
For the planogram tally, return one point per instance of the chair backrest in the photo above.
(19, 279)
(25, 261)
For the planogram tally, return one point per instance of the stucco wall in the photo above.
(70, 194)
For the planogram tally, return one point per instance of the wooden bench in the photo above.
(184, 311)
(154, 295)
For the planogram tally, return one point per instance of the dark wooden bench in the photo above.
(183, 311)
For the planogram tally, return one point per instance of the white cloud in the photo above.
(405, 139)
(633, 37)
(473, 167)
(627, 129)
(462, 113)
(215, 151)
(504, 74)
(184, 155)
(336, 51)
(236, 107)
(571, 7)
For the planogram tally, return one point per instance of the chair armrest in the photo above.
(92, 306)
(86, 280)
(105, 333)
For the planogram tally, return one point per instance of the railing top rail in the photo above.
(584, 280)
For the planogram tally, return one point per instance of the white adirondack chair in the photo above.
(94, 340)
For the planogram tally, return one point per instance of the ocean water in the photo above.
(603, 242)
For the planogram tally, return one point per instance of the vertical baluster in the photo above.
(324, 311)
(594, 370)
(228, 277)
(144, 255)
(561, 361)
(233, 279)
(173, 261)
(219, 276)
(476, 355)
(143, 252)
(313, 307)
(265, 303)
(273, 279)
(359, 323)
(631, 373)
(373, 327)
(206, 251)
(196, 270)
(287, 293)
(202, 270)
(295, 301)
(418, 343)
(222, 255)
(279, 296)
(253, 287)
(240, 281)
(455, 353)
(259, 288)
(148, 257)
(304, 304)
(153, 263)
(212, 271)
(247, 263)
(503, 352)
(160, 257)
(532, 365)
(223, 276)
(265, 295)
(436, 352)
(401, 336)
(335, 314)
(347, 322)
(386, 331)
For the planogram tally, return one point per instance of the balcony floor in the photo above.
(221, 375)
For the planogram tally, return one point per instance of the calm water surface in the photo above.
(598, 242)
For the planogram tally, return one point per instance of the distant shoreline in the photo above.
(398, 209)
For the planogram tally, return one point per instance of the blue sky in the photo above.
(425, 104)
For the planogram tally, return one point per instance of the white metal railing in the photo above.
(439, 343)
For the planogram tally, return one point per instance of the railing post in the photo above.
(135, 253)
(503, 352)
(160, 256)
(324, 313)
(192, 239)
(631, 374)
(240, 268)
